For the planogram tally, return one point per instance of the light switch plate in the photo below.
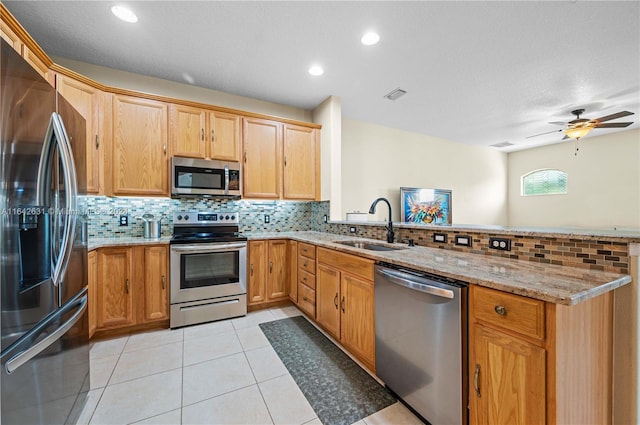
(463, 240)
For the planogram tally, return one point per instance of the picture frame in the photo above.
(425, 206)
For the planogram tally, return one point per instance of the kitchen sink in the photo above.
(371, 246)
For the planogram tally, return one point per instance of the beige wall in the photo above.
(603, 184)
(329, 115)
(127, 80)
(377, 161)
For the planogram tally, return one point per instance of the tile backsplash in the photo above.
(103, 214)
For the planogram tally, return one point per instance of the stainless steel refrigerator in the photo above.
(44, 368)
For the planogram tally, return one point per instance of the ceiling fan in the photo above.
(579, 127)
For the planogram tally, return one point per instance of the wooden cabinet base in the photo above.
(110, 333)
(270, 304)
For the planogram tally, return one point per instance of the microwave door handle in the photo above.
(226, 179)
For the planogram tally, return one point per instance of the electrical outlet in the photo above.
(501, 244)
(124, 220)
(267, 218)
(325, 218)
(353, 229)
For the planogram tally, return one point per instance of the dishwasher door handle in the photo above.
(408, 281)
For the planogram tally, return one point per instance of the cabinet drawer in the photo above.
(358, 266)
(513, 312)
(307, 250)
(306, 264)
(307, 300)
(307, 278)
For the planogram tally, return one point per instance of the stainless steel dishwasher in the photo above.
(421, 341)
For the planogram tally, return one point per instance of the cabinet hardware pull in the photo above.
(126, 285)
(164, 149)
(501, 310)
(304, 264)
(476, 379)
(245, 157)
(270, 266)
(163, 280)
(342, 304)
(285, 161)
(304, 278)
(97, 142)
(335, 301)
(252, 270)
(213, 136)
(305, 299)
(202, 134)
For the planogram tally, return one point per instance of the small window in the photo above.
(544, 182)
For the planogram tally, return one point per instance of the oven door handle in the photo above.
(204, 248)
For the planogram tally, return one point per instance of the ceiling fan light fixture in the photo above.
(578, 132)
(124, 13)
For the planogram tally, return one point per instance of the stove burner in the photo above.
(202, 228)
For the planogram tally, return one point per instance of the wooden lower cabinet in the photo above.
(345, 302)
(268, 271)
(293, 271)
(132, 286)
(532, 362)
(92, 288)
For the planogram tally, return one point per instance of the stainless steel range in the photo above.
(208, 268)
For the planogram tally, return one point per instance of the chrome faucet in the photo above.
(389, 226)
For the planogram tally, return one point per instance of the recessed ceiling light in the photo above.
(125, 14)
(370, 38)
(316, 70)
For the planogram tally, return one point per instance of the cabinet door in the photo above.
(10, 37)
(139, 152)
(301, 170)
(188, 131)
(156, 283)
(510, 376)
(87, 101)
(92, 288)
(262, 140)
(225, 136)
(277, 280)
(328, 299)
(358, 327)
(293, 271)
(257, 286)
(115, 292)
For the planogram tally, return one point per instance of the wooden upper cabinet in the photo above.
(10, 37)
(156, 283)
(89, 102)
(199, 133)
(301, 172)
(262, 142)
(225, 136)
(139, 159)
(188, 131)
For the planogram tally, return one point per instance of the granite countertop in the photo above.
(95, 243)
(546, 282)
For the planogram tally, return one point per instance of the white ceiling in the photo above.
(476, 72)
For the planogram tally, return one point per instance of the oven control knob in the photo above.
(233, 217)
(179, 217)
(186, 217)
(227, 218)
(221, 217)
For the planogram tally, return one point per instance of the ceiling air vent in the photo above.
(394, 94)
(501, 145)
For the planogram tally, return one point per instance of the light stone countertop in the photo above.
(95, 243)
(546, 282)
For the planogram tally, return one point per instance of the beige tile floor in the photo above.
(217, 373)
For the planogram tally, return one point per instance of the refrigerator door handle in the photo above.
(79, 303)
(57, 132)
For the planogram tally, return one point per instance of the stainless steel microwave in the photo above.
(191, 176)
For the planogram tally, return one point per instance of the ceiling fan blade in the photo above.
(565, 138)
(614, 125)
(614, 116)
(558, 123)
(542, 134)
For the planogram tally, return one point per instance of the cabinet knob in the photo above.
(305, 299)
(501, 310)
(304, 278)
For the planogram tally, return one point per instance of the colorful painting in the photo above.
(425, 206)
